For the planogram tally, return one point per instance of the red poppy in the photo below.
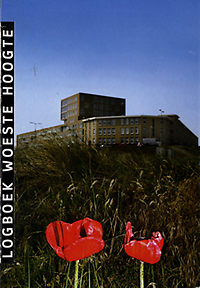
(143, 249)
(75, 241)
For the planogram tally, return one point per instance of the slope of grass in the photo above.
(68, 182)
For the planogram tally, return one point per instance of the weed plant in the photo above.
(67, 181)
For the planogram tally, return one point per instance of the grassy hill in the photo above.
(68, 182)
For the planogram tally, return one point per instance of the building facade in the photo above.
(97, 120)
(84, 105)
(168, 129)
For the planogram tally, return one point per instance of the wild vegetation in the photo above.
(68, 182)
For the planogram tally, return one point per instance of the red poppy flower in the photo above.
(143, 249)
(75, 241)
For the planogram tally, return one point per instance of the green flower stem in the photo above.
(81, 277)
(95, 274)
(76, 274)
(141, 274)
(89, 273)
(67, 274)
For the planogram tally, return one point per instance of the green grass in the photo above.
(68, 182)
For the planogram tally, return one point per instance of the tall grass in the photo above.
(68, 182)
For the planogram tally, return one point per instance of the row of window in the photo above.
(127, 130)
(126, 121)
(102, 107)
(69, 107)
(68, 114)
(104, 131)
(109, 141)
(69, 101)
(105, 100)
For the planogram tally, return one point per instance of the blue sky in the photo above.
(144, 51)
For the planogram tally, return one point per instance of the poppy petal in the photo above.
(53, 232)
(75, 241)
(59, 234)
(158, 239)
(129, 233)
(146, 250)
(92, 228)
(76, 228)
(83, 248)
(143, 250)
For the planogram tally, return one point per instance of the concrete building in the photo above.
(95, 119)
(133, 129)
(84, 105)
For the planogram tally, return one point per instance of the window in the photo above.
(162, 131)
(64, 109)
(104, 122)
(63, 116)
(127, 130)
(122, 121)
(113, 121)
(108, 121)
(104, 131)
(113, 101)
(94, 123)
(127, 140)
(93, 140)
(65, 102)
(86, 105)
(161, 121)
(104, 140)
(108, 131)
(99, 140)
(136, 120)
(82, 111)
(136, 140)
(101, 107)
(131, 130)
(122, 140)
(131, 121)
(108, 140)
(122, 131)
(113, 140)
(117, 108)
(131, 140)
(113, 131)
(144, 130)
(93, 131)
(144, 121)
(95, 106)
(82, 98)
(127, 121)
(136, 130)
(100, 122)
(99, 131)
